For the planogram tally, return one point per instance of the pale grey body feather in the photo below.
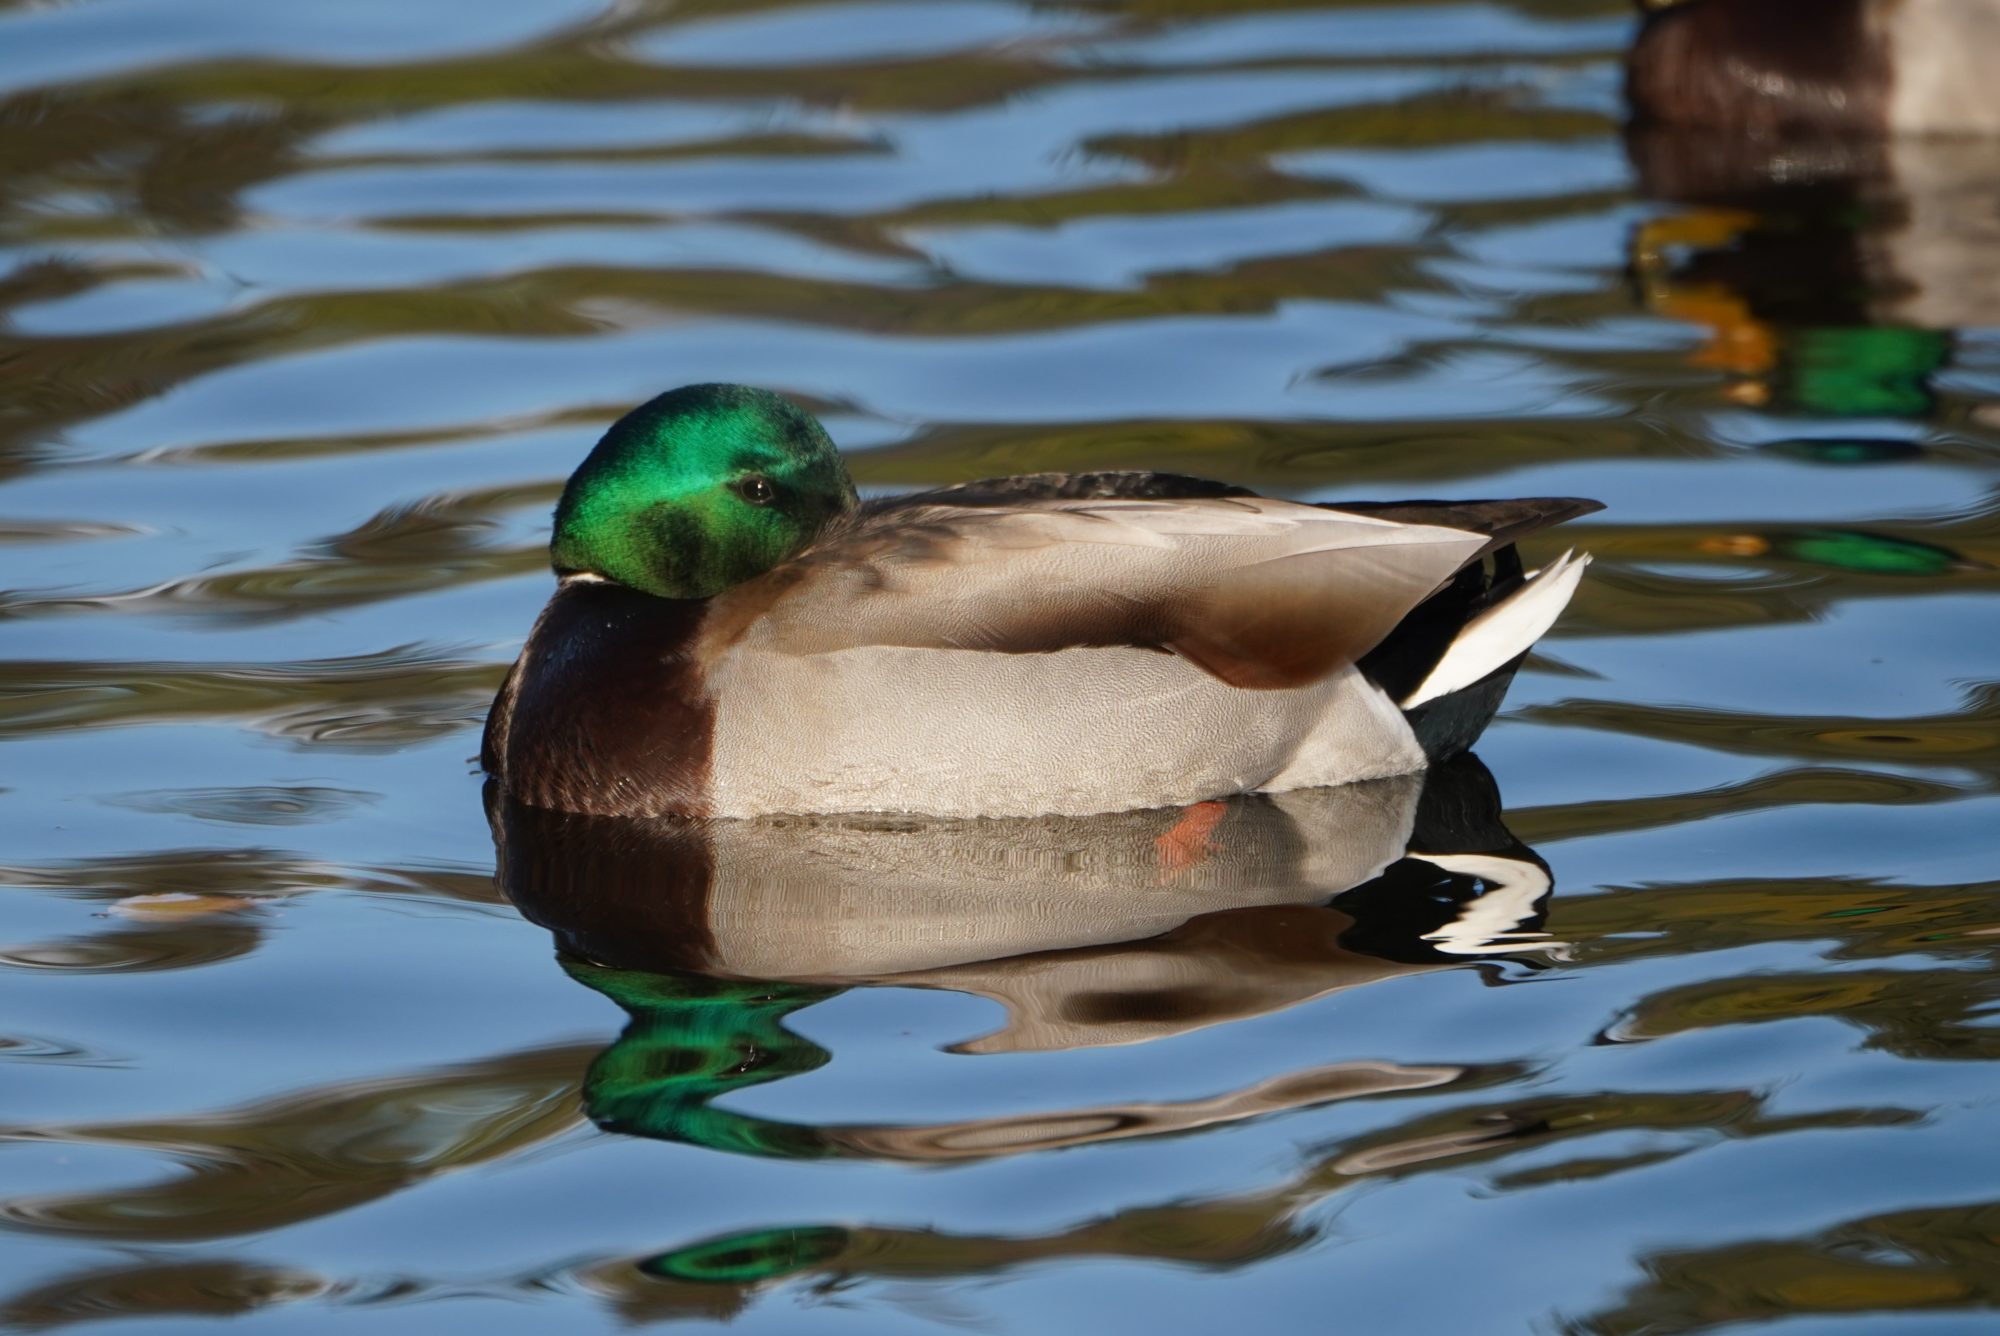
(976, 733)
(1942, 52)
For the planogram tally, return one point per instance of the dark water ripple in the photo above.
(1677, 1022)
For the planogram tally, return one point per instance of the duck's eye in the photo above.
(756, 489)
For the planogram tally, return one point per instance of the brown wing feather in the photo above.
(1258, 593)
(1288, 622)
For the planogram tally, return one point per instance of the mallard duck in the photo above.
(735, 634)
(1757, 68)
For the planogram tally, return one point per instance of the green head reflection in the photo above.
(689, 1042)
(1852, 550)
(1878, 371)
(1869, 553)
(1847, 450)
(748, 1258)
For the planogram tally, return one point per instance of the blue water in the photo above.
(306, 311)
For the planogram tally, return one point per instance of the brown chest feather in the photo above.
(606, 711)
(1762, 67)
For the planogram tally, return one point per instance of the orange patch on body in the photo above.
(1734, 545)
(1738, 342)
(1188, 845)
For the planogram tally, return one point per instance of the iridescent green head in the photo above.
(698, 490)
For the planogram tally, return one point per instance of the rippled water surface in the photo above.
(306, 309)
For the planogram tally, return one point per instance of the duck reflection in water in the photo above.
(1834, 172)
(1839, 184)
(1832, 285)
(1113, 929)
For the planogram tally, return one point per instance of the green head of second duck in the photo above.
(698, 490)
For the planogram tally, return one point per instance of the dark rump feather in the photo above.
(1406, 656)
(1503, 522)
(1109, 485)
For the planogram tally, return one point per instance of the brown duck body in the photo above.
(1051, 644)
(1759, 69)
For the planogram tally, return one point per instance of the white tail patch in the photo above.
(1492, 923)
(1503, 630)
